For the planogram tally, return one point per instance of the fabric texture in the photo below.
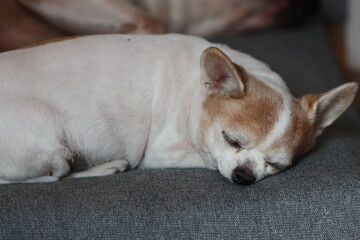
(319, 198)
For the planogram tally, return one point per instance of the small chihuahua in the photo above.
(96, 105)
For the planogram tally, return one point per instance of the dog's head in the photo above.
(252, 130)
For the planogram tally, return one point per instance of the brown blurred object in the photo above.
(19, 27)
(266, 14)
(24, 22)
(336, 32)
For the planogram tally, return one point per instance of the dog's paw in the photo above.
(42, 179)
(115, 166)
(104, 169)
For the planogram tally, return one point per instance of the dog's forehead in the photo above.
(257, 113)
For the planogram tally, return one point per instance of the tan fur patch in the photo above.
(299, 137)
(308, 101)
(50, 41)
(255, 113)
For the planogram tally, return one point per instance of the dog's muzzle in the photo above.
(241, 176)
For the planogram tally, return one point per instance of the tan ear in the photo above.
(324, 109)
(220, 74)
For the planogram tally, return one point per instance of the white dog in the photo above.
(102, 103)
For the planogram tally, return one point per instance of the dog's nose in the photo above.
(240, 176)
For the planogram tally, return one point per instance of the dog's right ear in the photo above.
(324, 109)
(220, 74)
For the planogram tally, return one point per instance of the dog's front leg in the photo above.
(104, 169)
(175, 159)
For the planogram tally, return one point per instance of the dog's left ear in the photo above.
(220, 74)
(324, 109)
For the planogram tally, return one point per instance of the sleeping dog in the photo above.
(97, 105)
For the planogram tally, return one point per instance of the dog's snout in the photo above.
(241, 176)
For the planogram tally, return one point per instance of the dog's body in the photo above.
(99, 103)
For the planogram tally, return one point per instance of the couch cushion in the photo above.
(319, 198)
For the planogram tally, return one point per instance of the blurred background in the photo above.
(341, 20)
(27, 22)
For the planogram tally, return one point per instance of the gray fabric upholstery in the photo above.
(319, 198)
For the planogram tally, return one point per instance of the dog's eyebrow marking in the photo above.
(281, 124)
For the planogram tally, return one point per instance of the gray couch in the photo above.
(319, 198)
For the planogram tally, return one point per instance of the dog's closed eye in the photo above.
(277, 166)
(232, 142)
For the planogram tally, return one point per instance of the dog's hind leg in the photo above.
(104, 169)
(42, 166)
(32, 145)
(50, 171)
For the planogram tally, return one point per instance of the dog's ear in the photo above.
(220, 74)
(324, 109)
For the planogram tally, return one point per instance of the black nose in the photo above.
(241, 176)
